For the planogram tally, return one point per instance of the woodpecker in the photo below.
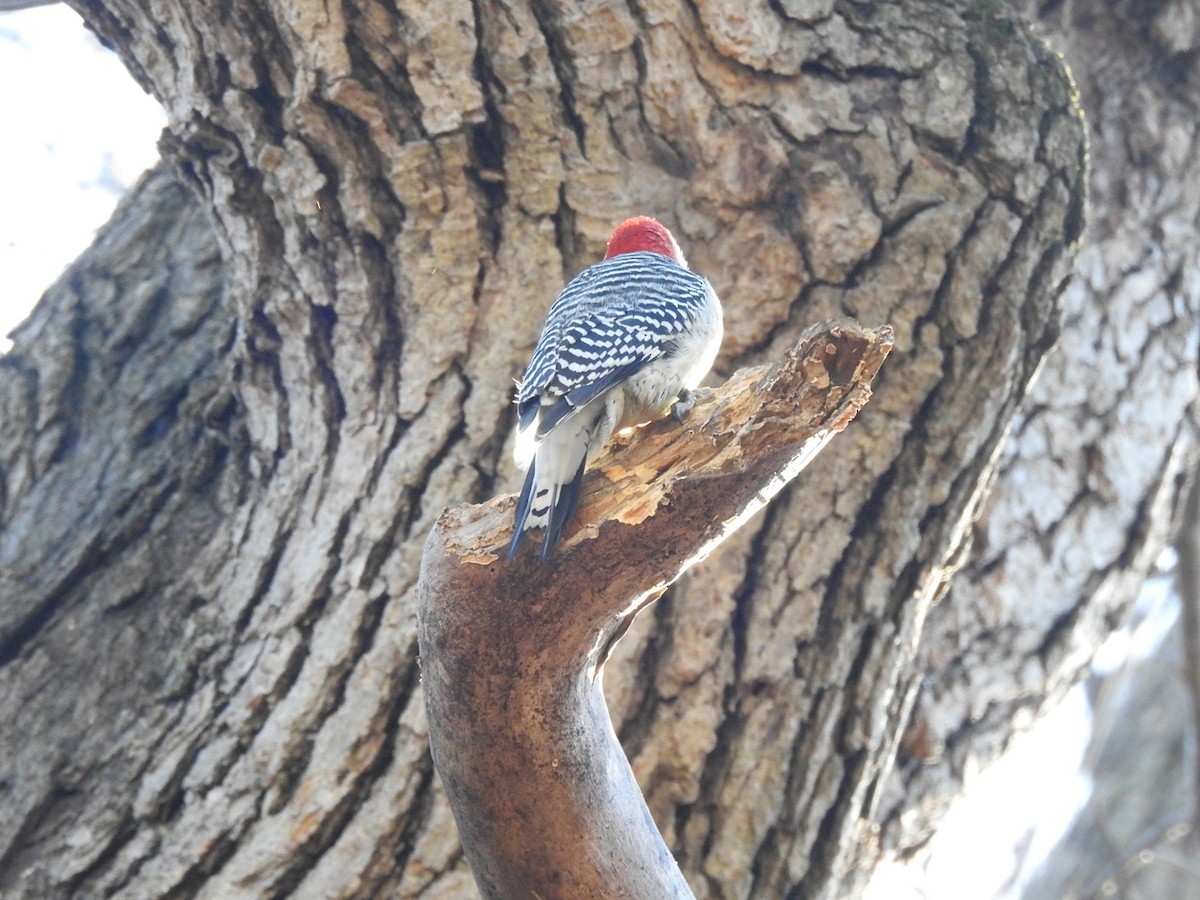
(625, 342)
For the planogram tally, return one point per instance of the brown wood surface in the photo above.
(512, 652)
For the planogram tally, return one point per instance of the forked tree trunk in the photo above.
(230, 427)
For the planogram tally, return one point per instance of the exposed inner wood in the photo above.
(512, 653)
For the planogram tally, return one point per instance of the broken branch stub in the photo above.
(543, 795)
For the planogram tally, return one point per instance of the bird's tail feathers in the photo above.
(562, 509)
(550, 494)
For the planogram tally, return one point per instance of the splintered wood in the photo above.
(763, 425)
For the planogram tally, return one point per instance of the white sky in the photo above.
(77, 131)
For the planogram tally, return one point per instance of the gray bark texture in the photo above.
(1090, 477)
(230, 427)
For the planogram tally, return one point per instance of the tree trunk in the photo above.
(230, 427)
(1090, 477)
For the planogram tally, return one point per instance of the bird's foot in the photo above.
(681, 407)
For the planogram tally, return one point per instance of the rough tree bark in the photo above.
(230, 427)
(1091, 474)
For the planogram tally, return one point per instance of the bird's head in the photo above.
(646, 234)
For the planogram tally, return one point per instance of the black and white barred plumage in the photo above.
(622, 343)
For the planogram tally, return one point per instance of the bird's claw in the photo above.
(681, 407)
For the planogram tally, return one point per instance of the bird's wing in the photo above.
(607, 323)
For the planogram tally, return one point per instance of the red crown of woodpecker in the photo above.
(645, 234)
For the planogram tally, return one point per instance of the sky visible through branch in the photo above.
(77, 132)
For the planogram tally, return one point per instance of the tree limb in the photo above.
(512, 654)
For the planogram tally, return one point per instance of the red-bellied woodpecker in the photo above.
(625, 342)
